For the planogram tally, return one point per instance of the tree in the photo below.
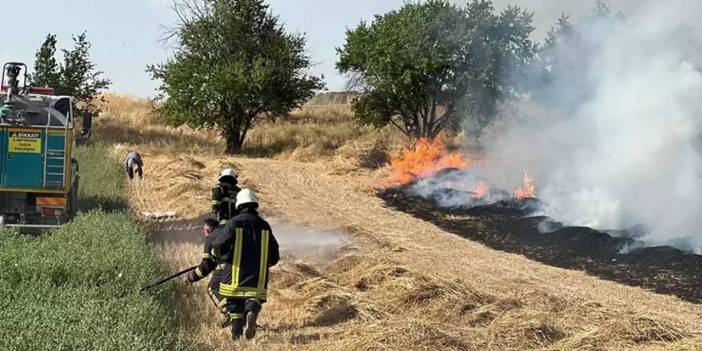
(46, 68)
(423, 67)
(76, 76)
(234, 64)
(80, 77)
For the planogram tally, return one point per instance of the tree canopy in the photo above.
(234, 63)
(76, 75)
(428, 65)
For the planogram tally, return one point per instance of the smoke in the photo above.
(459, 188)
(614, 138)
(299, 241)
(547, 11)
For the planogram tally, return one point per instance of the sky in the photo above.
(126, 35)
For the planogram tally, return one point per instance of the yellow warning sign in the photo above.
(25, 140)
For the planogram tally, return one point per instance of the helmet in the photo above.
(227, 173)
(246, 196)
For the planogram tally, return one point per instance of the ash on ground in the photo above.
(515, 225)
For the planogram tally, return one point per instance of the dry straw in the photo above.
(406, 285)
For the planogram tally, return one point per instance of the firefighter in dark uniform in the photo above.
(224, 196)
(248, 249)
(210, 265)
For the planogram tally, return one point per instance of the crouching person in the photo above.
(211, 265)
(248, 249)
(134, 164)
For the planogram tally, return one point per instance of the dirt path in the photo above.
(405, 283)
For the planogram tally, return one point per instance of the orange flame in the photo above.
(481, 190)
(425, 158)
(528, 189)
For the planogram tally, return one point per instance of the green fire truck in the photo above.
(38, 173)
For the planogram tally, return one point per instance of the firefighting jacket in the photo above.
(248, 249)
(208, 265)
(224, 201)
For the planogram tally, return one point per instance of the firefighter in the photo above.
(248, 249)
(134, 164)
(210, 265)
(224, 196)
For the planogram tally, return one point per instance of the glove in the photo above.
(191, 278)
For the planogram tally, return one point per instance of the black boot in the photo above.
(252, 308)
(237, 329)
(250, 329)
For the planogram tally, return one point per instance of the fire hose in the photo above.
(167, 279)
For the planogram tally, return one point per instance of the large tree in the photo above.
(234, 63)
(76, 76)
(424, 67)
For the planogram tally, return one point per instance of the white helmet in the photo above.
(246, 196)
(227, 173)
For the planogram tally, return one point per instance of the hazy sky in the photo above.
(125, 34)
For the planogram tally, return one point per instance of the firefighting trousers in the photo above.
(237, 308)
(218, 300)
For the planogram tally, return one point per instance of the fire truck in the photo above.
(38, 172)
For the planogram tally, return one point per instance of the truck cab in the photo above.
(38, 172)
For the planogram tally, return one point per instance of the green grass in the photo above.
(77, 288)
(101, 184)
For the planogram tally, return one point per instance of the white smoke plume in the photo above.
(628, 150)
(300, 241)
(458, 188)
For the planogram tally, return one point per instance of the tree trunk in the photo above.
(232, 131)
(234, 145)
(235, 132)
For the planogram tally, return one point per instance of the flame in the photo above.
(528, 189)
(481, 190)
(424, 158)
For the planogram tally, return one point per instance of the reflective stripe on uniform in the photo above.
(231, 204)
(213, 297)
(227, 289)
(223, 222)
(263, 264)
(233, 289)
(236, 263)
(216, 202)
(244, 292)
(222, 303)
(206, 256)
(199, 272)
(236, 315)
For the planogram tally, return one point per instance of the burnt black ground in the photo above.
(506, 226)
